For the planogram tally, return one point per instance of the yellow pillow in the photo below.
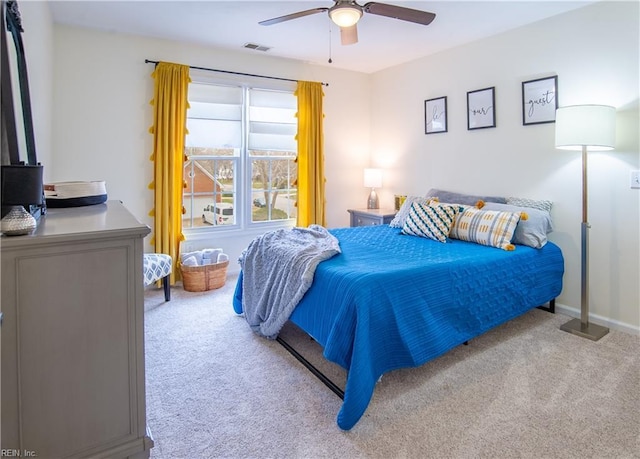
(487, 227)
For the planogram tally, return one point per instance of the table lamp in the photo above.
(21, 188)
(373, 180)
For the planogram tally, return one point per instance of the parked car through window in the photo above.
(219, 213)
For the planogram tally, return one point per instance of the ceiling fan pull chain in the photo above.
(330, 61)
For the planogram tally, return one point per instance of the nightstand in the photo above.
(367, 217)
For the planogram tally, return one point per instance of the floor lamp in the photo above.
(586, 128)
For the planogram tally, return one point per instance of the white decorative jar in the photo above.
(17, 222)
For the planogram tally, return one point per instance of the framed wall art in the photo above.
(481, 108)
(435, 115)
(539, 100)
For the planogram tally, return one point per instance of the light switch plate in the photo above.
(635, 179)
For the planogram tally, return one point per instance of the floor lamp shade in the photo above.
(586, 128)
(590, 126)
(373, 180)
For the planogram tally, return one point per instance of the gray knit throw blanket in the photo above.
(277, 270)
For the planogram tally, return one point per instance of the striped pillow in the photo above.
(535, 204)
(431, 222)
(487, 227)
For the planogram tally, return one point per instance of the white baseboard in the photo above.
(599, 320)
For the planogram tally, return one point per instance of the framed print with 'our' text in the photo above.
(481, 111)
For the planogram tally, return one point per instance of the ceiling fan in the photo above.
(346, 14)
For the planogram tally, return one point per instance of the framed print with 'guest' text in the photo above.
(539, 100)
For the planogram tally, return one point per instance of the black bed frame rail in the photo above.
(551, 308)
(331, 385)
(318, 374)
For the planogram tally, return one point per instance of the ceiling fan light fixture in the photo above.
(345, 15)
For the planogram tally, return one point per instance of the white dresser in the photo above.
(73, 336)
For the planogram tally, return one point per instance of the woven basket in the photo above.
(204, 277)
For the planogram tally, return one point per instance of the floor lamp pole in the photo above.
(582, 327)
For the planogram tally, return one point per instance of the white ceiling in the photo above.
(383, 42)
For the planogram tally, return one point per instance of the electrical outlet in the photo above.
(635, 179)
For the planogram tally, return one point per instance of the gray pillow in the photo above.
(452, 197)
(532, 231)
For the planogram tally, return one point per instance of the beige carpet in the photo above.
(523, 390)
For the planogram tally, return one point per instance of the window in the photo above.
(241, 149)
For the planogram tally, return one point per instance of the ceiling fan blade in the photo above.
(399, 12)
(288, 17)
(349, 35)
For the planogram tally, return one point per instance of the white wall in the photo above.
(594, 52)
(102, 93)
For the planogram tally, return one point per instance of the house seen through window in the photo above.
(241, 149)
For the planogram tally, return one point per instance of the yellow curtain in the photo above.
(311, 200)
(169, 130)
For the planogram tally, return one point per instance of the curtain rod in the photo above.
(148, 61)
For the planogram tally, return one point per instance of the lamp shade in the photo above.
(345, 15)
(373, 178)
(590, 126)
(21, 185)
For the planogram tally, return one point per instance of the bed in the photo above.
(390, 301)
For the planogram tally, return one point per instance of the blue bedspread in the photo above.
(390, 301)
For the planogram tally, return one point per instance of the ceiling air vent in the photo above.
(256, 47)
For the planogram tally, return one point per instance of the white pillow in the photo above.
(401, 216)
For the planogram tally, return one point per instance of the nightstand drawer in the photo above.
(369, 217)
(364, 220)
